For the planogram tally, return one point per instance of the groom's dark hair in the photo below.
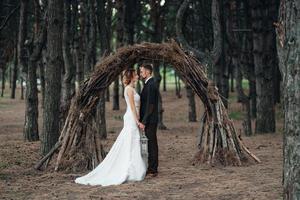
(148, 66)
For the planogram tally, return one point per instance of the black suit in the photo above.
(149, 117)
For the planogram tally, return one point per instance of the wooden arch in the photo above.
(218, 142)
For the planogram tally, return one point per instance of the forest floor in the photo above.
(177, 178)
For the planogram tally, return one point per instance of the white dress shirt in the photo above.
(147, 79)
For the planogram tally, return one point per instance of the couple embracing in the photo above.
(124, 161)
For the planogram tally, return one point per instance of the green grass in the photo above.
(3, 105)
(236, 115)
(4, 165)
(118, 117)
(245, 84)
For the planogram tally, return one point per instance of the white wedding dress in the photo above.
(124, 161)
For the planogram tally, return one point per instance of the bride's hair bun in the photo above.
(127, 76)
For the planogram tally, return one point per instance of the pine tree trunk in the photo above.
(232, 79)
(21, 40)
(31, 132)
(221, 70)
(22, 37)
(130, 19)
(116, 105)
(22, 88)
(90, 35)
(42, 78)
(53, 75)
(192, 117)
(247, 59)
(120, 39)
(288, 47)
(165, 78)
(105, 49)
(107, 95)
(264, 49)
(100, 116)
(108, 17)
(252, 93)
(157, 77)
(3, 81)
(69, 87)
(79, 44)
(15, 74)
(177, 85)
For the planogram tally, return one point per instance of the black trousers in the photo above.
(150, 131)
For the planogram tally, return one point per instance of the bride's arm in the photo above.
(130, 94)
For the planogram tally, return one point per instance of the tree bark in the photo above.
(42, 64)
(165, 78)
(104, 35)
(31, 132)
(192, 116)
(68, 86)
(3, 80)
(264, 51)
(79, 43)
(130, 20)
(14, 73)
(156, 36)
(29, 59)
(53, 75)
(221, 69)
(100, 116)
(90, 35)
(22, 88)
(120, 39)
(21, 41)
(288, 47)
(22, 37)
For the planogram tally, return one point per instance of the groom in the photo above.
(149, 116)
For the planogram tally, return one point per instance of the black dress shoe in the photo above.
(153, 174)
(149, 171)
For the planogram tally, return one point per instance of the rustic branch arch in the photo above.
(81, 149)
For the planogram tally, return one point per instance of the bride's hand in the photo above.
(142, 126)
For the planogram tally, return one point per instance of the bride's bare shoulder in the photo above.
(130, 88)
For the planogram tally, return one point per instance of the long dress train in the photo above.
(124, 161)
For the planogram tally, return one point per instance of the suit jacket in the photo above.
(149, 103)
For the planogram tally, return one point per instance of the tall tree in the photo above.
(120, 41)
(90, 36)
(69, 67)
(79, 46)
(156, 17)
(221, 69)
(53, 75)
(264, 52)
(15, 71)
(130, 18)
(28, 57)
(104, 36)
(288, 47)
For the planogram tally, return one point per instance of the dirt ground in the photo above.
(177, 178)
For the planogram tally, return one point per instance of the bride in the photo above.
(124, 161)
